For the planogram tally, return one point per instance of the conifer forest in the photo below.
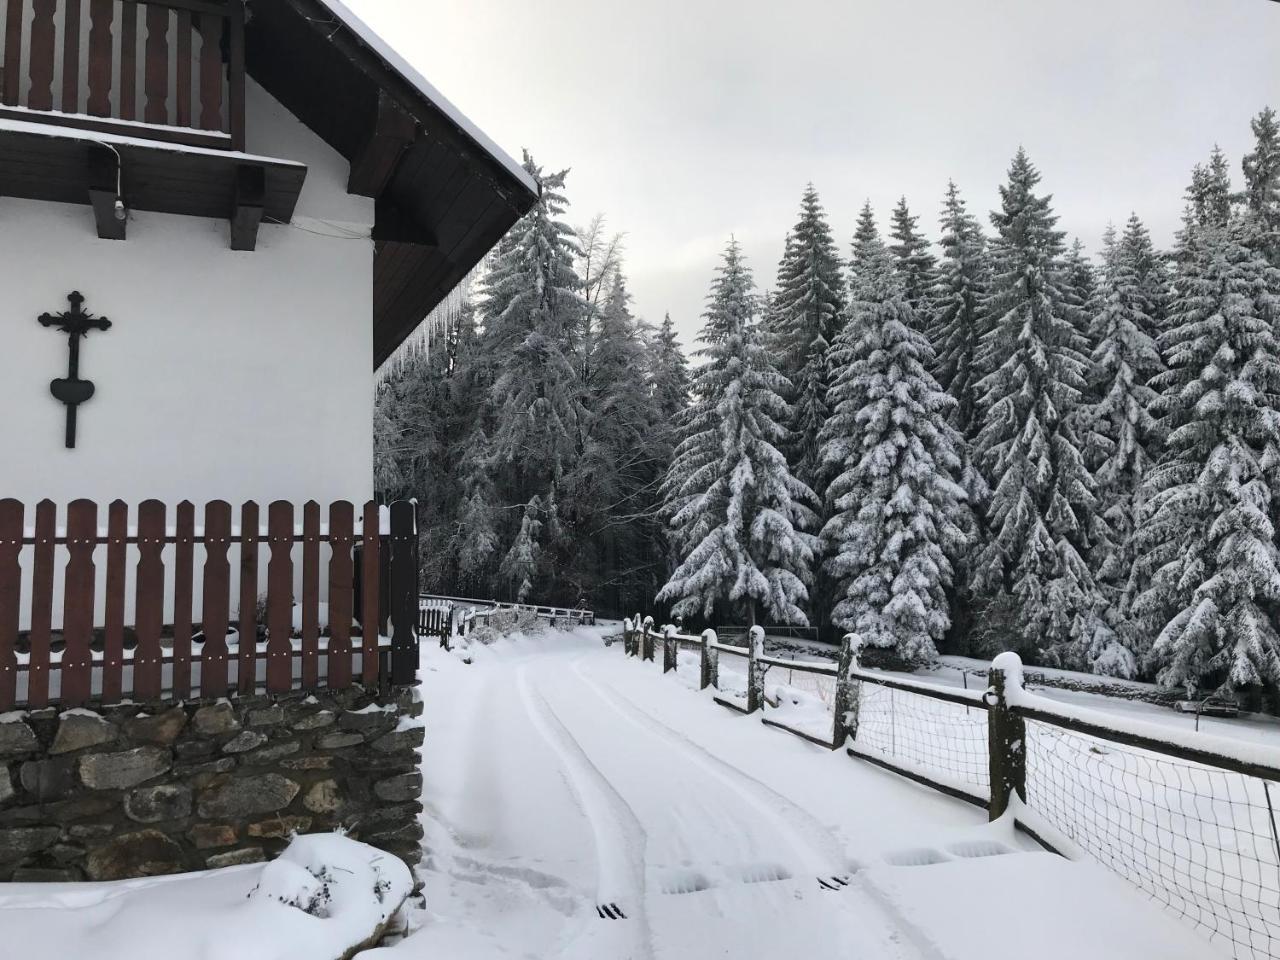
(956, 431)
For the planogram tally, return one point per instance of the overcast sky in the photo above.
(688, 120)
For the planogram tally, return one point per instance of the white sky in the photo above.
(687, 121)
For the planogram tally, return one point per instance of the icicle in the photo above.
(435, 324)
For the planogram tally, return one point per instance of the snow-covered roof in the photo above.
(401, 66)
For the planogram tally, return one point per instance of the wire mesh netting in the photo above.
(1199, 840)
(928, 734)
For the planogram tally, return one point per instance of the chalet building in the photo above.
(263, 199)
(217, 218)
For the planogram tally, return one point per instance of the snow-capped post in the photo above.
(669, 648)
(647, 637)
(846, 705)
(755, 669)
(1006, 734)
(710, 675)
(627, 632)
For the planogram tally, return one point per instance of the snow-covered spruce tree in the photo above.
(1262, 184)
(1033, 567)
(609, 498)
(915, 264)
(899, 514)
(737, 515)
(530, 306)
(956, 308)
(1127, 442)
(1206, 541)
(956, 325)
(804, 318)
(669, 373)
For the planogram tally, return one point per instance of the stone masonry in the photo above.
(139, 790)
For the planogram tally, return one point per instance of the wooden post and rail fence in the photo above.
(446, 617)
(1187, 817)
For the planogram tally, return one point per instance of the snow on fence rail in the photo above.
(1188, 818)
(85, 635)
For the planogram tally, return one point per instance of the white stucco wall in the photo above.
(229, 375)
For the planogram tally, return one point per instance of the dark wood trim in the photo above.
(736, 708)
(141, 131)
(972, 700)
(249, 204)
(825, 744)
(103, 179)
(392, 132)
(1207, 757)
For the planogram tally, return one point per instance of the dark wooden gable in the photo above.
(443, 200)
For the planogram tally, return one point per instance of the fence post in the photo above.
(647, 637)
(710, 674)
(1006, 734)
(755, 669)
(404, 593)
(669, 648)
(847, 689)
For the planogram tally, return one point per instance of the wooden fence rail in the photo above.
(118, 60)
(161, 649)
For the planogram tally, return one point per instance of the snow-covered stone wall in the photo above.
(139, 790)
(226, 375)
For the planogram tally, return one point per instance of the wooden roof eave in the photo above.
(67, 165)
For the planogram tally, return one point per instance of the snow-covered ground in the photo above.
(564, 781)
(322, 898)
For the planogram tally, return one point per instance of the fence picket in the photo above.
(11, 514)
(77, 604)
(113, 634)
(10, 79)
(183, 588)
(247, 616)
(310, 594)
(102, 14)
(371, 615)
(404, 591)
(41, 605)
(341, 538)
(156, 69)
(40, 58)
(128, 89)
(217, 598)
(70, 101)
(280, 597)
(149, 603)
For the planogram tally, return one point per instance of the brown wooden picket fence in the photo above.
(148, 644)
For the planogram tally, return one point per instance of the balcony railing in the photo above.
(170, 70)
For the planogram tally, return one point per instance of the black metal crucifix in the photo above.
(76, 324)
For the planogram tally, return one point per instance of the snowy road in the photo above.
(581, 805)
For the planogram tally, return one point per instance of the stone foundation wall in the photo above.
(145, 789)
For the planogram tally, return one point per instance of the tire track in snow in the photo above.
(618, 835)
(823, 848)
(803, 831)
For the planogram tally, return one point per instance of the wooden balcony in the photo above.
(166, 70)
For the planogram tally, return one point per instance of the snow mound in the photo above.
(325, 898)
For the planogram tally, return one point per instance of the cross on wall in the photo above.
(71, 391)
